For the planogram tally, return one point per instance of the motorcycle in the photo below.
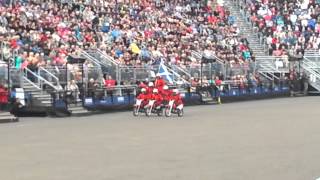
(172, 108)
(151, 108)
(137, 107)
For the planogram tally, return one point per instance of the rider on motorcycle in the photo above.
(166, 93)
(159, 82)
(157, 97)
(144, 96)
(150, 88)
(176, 98)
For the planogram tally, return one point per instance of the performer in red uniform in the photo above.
(144, 96)
(166, 93)
(3, 97)
(176, 97)
(150, 88)
(142, 85)
(159, 83)
(157, 97)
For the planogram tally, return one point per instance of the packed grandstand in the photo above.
(125, 43)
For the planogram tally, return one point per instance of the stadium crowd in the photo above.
(134, 33)
(289, 26)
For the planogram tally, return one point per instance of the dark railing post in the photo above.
(9, 84)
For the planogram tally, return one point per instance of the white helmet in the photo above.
(165, 87)
(150, 84)
(155, 91)
(176, 91)
(143, 90)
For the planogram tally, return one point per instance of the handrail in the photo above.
(270, 57)
(182, 70)
(52, 75)
(221, 61)
(93, 60)
(178, 75)
(41, 78)
(32, 83)
(306, 65)
(109, 58)
(199, 55)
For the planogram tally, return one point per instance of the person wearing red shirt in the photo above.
(166, 93)
(13, 43)
(157, 97)
(142, 85)
(109, 82)
(150, 88)
(176, 98)
(219, 87)
(159, 83)
(144, 96)
(3, 97)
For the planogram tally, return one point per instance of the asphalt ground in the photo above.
(276, 139)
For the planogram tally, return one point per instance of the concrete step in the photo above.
(46, 102)
(76, 108)
(78, 111)
(44, 99)
(6, 117)
(40, 95)
(31, 90)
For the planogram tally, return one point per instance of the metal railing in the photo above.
(312, 69)
(36, 80)
(48, 75)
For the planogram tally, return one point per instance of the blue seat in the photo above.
(266, 90)
(107, 101)
(285, 89)
(244, 92)
(60, 104)
(194, 96)
(187, 96)
(120, 100)
(132, 99)
(255, 91)
(234, 92)
(223, 93)
(276, 90)
(88, 102)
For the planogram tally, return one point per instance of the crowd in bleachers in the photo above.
(44, 33)
(289, 26)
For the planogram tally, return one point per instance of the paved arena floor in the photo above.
(275, 139)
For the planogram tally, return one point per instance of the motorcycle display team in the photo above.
(157, 98)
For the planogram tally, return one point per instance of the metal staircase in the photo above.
(36, 86)
(267, 66)
(312, 69)
(105, 62)
(6, 117)
(245, 27)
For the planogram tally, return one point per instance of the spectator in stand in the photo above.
(3, 97)
(73, 90)
(287, 25)
(137, 33)
(92, 87)
(109, 82)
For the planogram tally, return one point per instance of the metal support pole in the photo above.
(201, 73)
(84, 85)
(67, 75)
(9, 84)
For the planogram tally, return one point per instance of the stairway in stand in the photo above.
(245, 28)
(40, 98)
(6, 117)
